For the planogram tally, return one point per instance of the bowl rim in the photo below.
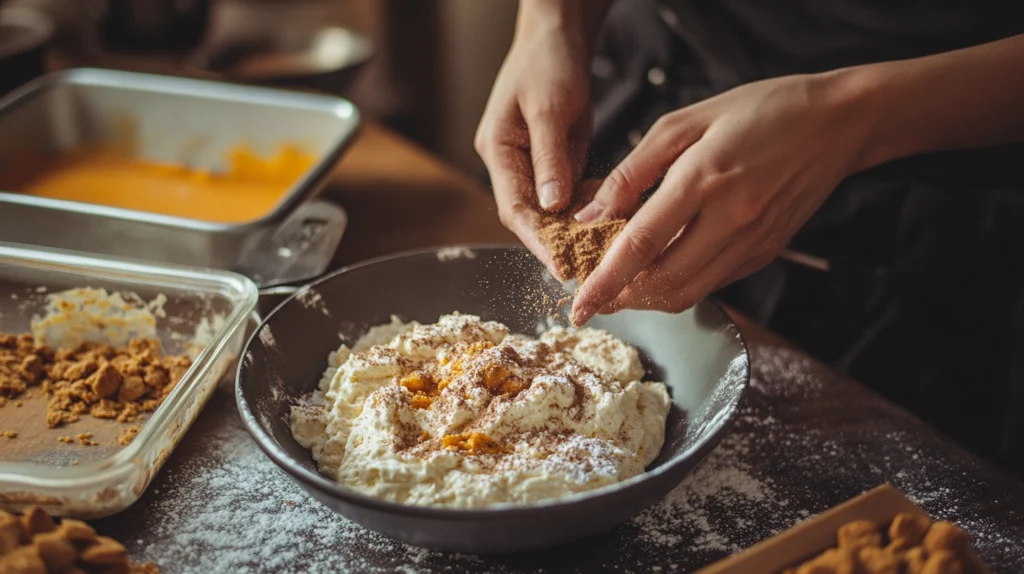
(324, 485)
(38, 24)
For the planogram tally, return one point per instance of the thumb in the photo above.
(552, 166)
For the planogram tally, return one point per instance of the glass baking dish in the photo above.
(204, 314)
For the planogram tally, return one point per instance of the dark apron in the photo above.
(925, 299)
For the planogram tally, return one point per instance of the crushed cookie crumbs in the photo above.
(910, 543)
(10, 434)
(34, 542)
(128, 436)
(86, 439)
(99, 380)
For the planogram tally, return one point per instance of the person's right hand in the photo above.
(535, 129)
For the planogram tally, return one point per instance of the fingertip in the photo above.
(591, 213)
(549, 195)
(553, 195)
(581, 313)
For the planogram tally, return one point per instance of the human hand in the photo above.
(534, 132)
(743, 171)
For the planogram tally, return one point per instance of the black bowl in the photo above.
(699, 354)
(328, 60)
(24, 36)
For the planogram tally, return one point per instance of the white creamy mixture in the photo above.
(462, 414)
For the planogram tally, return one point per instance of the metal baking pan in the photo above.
(182, 121)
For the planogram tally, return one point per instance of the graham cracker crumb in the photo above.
(35, 543)
(86, 439)
(99, 380)
(10, 434)
(128, 436)
(910, 543)
(66, 439)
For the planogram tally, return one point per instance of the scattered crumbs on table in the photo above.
(19, 404)
(10, 434)
(66, 439)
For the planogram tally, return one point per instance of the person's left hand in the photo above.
(743, 171)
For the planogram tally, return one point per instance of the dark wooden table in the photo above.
(807, 439)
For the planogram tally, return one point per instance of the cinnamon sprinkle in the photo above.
(577, 248)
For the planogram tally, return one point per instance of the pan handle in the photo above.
(299, 249)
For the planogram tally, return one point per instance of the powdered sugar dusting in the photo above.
(784, 373)
(310, 298)
(723, 507)
(791, 454)
(451, 253)
(232, 510)
(267, 338)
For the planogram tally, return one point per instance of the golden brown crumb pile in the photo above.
(34, 544)
(911, 545)
(575, 247)
(96, 379)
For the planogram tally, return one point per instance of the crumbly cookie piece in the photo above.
(34, 544)
(911, 544)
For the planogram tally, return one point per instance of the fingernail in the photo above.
(548, 194)
(582, 315)
(590, 213)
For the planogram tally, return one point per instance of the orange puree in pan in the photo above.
(247, 190)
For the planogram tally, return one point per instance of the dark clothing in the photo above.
(925, 301)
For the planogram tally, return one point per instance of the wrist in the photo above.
(862, 97)
(578, 20)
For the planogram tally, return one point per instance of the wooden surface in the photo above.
(399, 197)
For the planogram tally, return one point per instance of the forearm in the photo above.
(578, 18)
(962, 99)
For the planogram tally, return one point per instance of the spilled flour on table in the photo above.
(692, 514)
(229, 509)
(233, 510)
(236, 512)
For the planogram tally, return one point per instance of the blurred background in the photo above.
(422, 67)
